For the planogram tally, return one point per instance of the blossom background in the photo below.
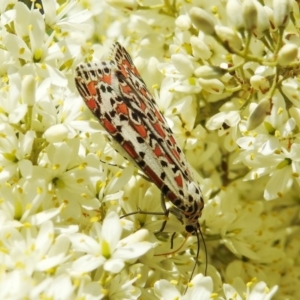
(225, 76)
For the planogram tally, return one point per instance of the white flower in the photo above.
(227, 124)
(267, 154)
(123, 288)
(15, 284)
(199, 288)
(259, 291)
(64, 174)
(65, 18)
(39, 53)
(12, 110)
(104, 247)
(91, 290)
(181, 117)
(14, 151)
(60, 286)
(34, 249)
(22, 203)
(181, 69)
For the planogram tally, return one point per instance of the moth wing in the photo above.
(146, 105)
(164, 148)
(99, 86)
(119, 98)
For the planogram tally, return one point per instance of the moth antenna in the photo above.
(196, 259)
(141, 212)
(205, 250)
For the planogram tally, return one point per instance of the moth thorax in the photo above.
(191, 223)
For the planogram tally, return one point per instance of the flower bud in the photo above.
(199, 48)
(183, 64)
(270, 16)
(183, 22)
(233, 10)
(260, 83)
(28, 90)
(249, 13)
(123, 4)
(282, 9)
(263, 23)
(287, 54)
(295, 114)
(213, 86)
(141, 235)
(56, 133)
(229, 36)
(259, 113)
(209, 72)
(202, 20)
(152, 41)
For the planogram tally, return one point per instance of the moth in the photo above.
(118, 97)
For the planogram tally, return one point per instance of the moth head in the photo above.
(192, 226)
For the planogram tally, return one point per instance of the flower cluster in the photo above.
(225, 76)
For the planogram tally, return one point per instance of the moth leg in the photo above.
(141, 212)
(173, 210)
(165, 213)
(124, 167)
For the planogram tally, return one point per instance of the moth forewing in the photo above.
(174, 171)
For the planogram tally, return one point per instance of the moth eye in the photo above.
(190, 228)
